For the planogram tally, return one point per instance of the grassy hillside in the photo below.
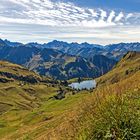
(19, 87)
(12, 72)
(126, 67)
(109, 112)
(28, 109)
(112, 110)
(30, 112)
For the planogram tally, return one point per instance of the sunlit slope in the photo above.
(10, 72)
(87, 115)
(126, 67)
(20, 88)
(112, 110)
(109, 112)
(28, 107)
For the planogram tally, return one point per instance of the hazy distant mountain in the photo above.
(102, 62)
(118, 50)
(83, 49)
(86, 50)
(64, 60)
(12, 44)
(60, 65)
(2, 43)
(19, 55)
(34, 44)
(115, 51)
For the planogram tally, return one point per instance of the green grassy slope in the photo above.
(32, 116)
(126, 67)
(21, 88)
(110, 111)
(27, 109)
(12, 72)
(21, 91)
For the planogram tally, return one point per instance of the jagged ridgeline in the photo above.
(55, 63)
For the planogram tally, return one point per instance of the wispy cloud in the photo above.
(119, 17)
(46, 12)
(64, 19)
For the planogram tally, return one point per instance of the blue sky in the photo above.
(124, 5)
(93, 21)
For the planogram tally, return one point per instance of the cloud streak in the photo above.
(46, 12)
(26, 20)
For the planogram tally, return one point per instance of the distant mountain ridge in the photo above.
(63, 60)
(118, 50)
(54, 63)
(115, 51)
(12, 44)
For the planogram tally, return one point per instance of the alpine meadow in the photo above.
(69, 70)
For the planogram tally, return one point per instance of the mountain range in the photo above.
(115, 51)
(62, 60)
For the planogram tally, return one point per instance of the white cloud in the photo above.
(119, 17)
(39, 33)
(129, 15)
(110, 17)
(46, 12)
(103, 14)
(43, 20)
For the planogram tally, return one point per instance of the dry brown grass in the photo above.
(114, 102)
